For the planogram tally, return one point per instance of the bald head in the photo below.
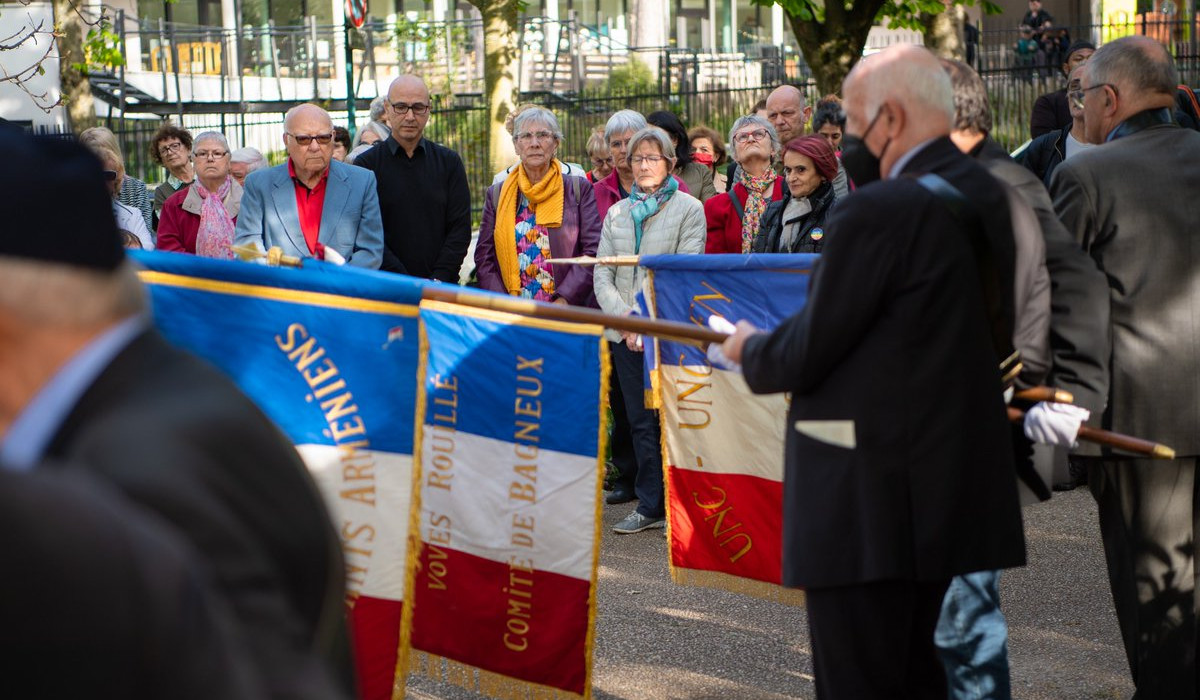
(897, 99)
(307, 113)
(408, 110)
(787, 113)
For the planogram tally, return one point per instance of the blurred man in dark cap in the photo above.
(86, 380)
(1051, 112)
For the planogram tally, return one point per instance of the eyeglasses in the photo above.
(756, 135)
(652, 160)
(417, 108)
(110, 175)
(305, 139)
(602, 161)
(170, 148)
(526, 137)
(1076, 96)
(214, 155)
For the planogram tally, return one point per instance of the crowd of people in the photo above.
(941, 256)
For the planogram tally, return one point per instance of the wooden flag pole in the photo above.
(671, 330)
(1127, 443)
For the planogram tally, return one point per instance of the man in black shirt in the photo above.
(423, 193)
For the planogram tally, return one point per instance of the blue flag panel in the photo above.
(329, 353)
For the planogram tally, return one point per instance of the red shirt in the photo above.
(309, 205)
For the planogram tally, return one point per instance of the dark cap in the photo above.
(59, 208)
(1078, 45)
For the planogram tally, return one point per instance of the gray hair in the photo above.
(972, 111)
(911, 83)
(536, 115)
(53, 294)
(623, 121)
(654, 135)
(210, 136)
(755, 120)
(378, 107)
(1136, 64)
(252, 156)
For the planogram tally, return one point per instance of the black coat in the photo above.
(770, 228)
(1045, 153)
(102, 600)
(899, 458)
(176, 436)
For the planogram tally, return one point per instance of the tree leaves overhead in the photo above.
(831, 35)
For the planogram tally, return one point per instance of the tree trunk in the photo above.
(648, 30)
(500, 51)
(944, 33)
(76, 90)
(832, 47)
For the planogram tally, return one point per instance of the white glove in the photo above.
(715, 355)
(1055, 423)
(332, 256)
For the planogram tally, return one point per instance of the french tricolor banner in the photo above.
(723, 445)
(330, 354)
(506, 483)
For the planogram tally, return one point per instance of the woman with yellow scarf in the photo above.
(536, 214)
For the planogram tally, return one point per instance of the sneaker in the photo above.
(636, 522)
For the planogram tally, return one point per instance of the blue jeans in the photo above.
(972, 638)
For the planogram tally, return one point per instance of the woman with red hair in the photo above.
(795, 223)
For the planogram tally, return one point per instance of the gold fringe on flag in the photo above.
(746, 586)
(493, 685)
(414, 520)
(601, 472)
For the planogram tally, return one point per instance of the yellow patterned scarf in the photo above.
(546, 201)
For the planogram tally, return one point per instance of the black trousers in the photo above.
(1148, 521)
(875, 640)
(642, 429)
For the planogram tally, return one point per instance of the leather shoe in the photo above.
(619, 494)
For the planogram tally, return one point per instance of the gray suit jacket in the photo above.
(350, 222)
(1132, 204)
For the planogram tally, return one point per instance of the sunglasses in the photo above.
(305, 139)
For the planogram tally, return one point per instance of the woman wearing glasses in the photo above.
(201, 217)
(734, 216)
(171, 148)
(536, 214)
(795, 224)
(657, 218)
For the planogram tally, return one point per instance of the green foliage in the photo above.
(633, 78)
(901, 14)
(101, 48)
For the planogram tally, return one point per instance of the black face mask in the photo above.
(861, 165)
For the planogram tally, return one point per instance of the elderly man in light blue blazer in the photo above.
(312, 203)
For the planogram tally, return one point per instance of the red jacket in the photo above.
(724, 224)
(179, 221)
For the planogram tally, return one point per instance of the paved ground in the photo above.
(656, 640)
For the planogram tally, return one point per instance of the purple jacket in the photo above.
(608, 192)
(578, 235)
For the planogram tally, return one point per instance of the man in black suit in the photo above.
(892, 489)
(84, 378)
(103, 600)
(1131, 202)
